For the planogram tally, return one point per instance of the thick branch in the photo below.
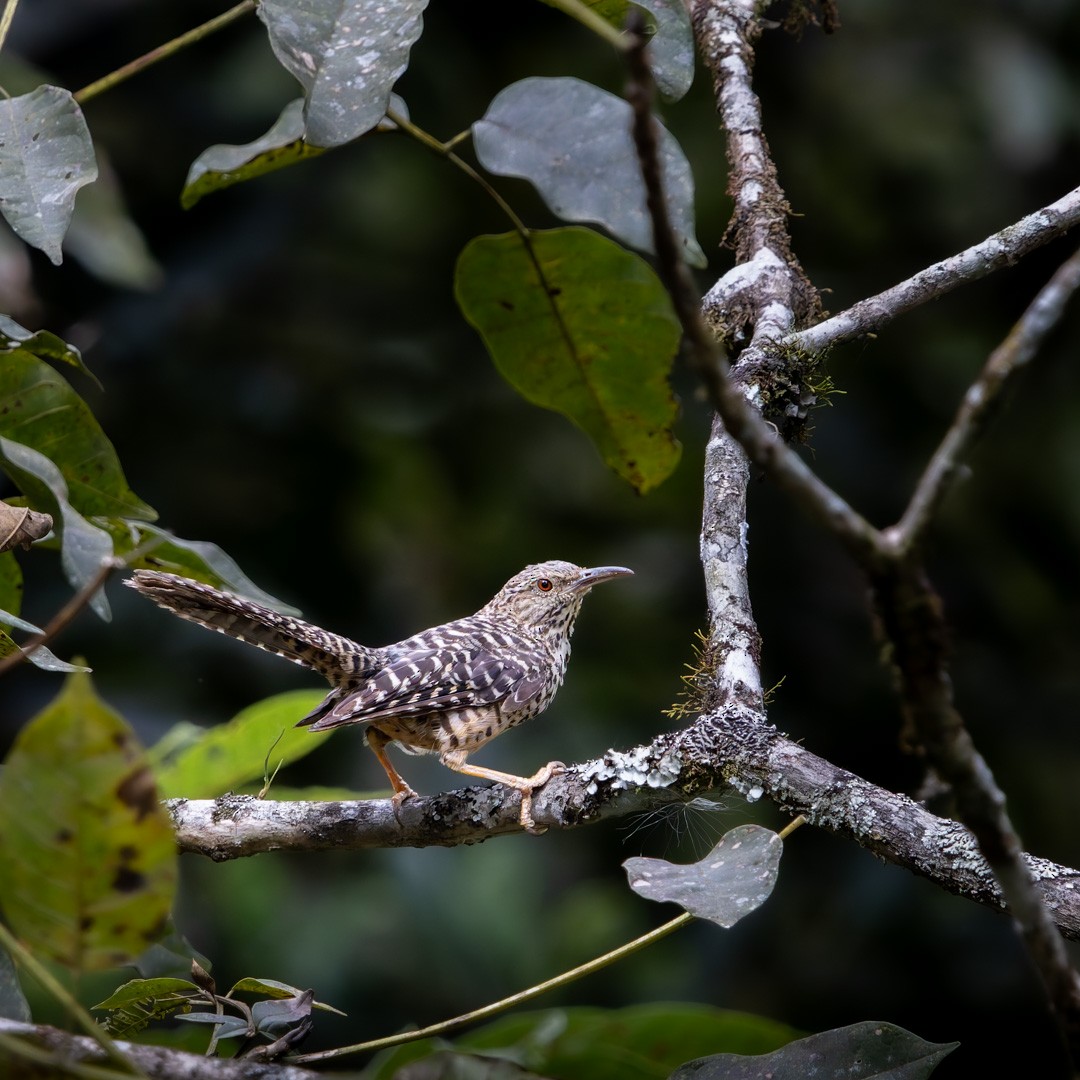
(766, 292)
(994, 253)
(51, 1052)
(720, 750)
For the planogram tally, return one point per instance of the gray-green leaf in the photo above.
(46, 155)
(41, 657)
(572, 141)
(671, 48)
(347, 55)
(866, 1051)
(735, 878)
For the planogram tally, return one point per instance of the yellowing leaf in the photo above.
(578, 324)
(87, 857)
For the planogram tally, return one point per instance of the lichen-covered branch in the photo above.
(996, 252)
(37, 1050)
(719, 752)
(754, 308)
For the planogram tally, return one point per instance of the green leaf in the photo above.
(39, 408)
(735, 878)
(143, 991)
(347, 55)
(581, 326)
(42, 344)
(87, 857)
(865, 1051)
(221, 166)
(273, 989)
(84, 547)
(46, 155)
(640, 1042)
(572, 141)
(236, 752)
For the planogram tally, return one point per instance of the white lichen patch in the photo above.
(634, 769)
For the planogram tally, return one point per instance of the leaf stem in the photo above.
(107, 82)
(50, 983)
(6, 18)
(444, 150)
(509, 1002)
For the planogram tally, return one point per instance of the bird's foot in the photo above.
(535, 782)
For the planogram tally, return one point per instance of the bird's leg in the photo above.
(456, 760)
(378, 740)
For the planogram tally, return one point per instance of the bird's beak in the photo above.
(596, 574)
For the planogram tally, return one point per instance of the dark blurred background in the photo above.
(298, 387)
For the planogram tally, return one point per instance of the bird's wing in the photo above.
(433, 681)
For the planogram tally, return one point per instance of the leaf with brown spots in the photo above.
(87, 857)
(577, 324)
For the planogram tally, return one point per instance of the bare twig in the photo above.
(982, 396)
(494, 1008)
(162, 52)
(914, 623)
(6, 18)
(994, 253)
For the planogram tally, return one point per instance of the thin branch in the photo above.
(912, 617)
(1010, 357)
(65, 615)
(78, 1055)
(564, 979)
(162, 52)
(994, 253)
(6, 18)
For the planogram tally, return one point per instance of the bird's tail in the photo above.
(302, 643)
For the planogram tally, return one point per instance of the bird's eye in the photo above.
(544, 585)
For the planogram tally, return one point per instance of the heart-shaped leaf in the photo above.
(347, 55)
(735, 878)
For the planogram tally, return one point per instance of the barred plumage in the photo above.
(447, 690)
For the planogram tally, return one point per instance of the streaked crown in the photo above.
(549, 594)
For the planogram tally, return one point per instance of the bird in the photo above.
(447, 690)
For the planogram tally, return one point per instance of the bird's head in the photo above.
(548, 596)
